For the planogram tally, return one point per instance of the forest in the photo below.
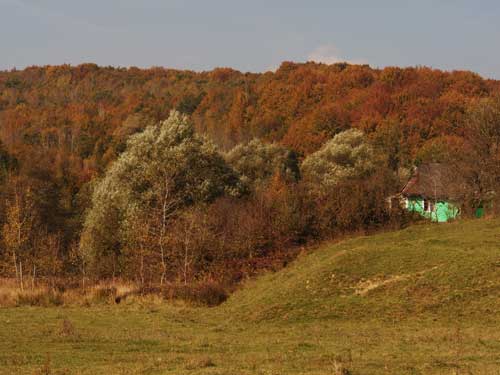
(166, 177)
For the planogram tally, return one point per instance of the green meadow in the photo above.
(423, 300)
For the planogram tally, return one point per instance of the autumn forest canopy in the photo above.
(160, 175)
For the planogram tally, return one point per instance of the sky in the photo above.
(251, 35)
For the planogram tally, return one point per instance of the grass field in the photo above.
(424, 300)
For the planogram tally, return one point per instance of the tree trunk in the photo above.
(21, 276)
(185, 264)
(163, 266)
(33, 277)
(14, 258)
(141, 270)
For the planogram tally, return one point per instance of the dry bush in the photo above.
(7, 300)
(108, 292)
(8, 292)
(243, 235)
(355, 206)
(41, 296)
(56, 294)
(103, 294)
(207, 293)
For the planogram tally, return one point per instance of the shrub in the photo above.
(208, 293)
(103, 294)
(42, 297)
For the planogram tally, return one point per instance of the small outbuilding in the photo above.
(435, 192)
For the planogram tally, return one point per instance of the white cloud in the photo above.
(329, 54)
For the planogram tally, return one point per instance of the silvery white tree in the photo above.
(165, 168)
(257, 162)
(345, 156)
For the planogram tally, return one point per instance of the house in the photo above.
(435, 192)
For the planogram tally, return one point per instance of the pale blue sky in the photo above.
(251, 35)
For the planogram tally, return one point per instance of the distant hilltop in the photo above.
(299, 105)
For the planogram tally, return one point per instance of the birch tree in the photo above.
(18, 229)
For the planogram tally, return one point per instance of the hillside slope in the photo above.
(424, 300)
(449, 271)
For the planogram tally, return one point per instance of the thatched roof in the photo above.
(435, 181)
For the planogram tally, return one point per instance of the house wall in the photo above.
(442, 211)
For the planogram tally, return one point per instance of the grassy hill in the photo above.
(448, 271)
(423, 300)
